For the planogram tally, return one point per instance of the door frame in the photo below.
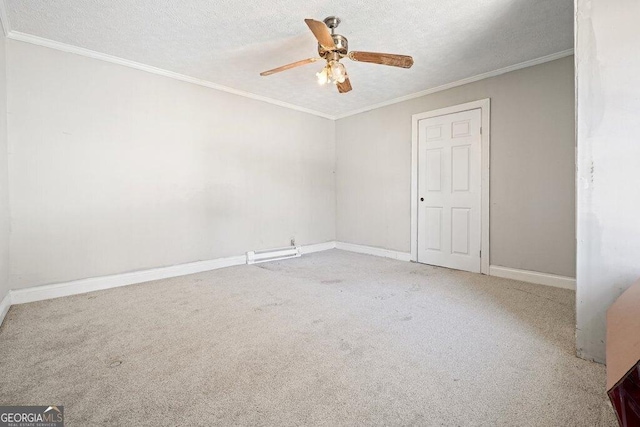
(485, 107)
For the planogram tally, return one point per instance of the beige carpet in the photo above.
(333, 338)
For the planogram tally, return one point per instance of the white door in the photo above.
(449, 190)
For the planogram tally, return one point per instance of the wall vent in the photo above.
(255, 257)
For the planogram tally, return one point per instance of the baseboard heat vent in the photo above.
(255, 257)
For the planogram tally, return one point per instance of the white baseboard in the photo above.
(370, 250)
(44, 292)
(39, 293)
(319, 247)
(5, 304)
(533, 277)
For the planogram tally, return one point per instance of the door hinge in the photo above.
(480, 254)
(480, 130)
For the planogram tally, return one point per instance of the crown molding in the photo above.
(40, 41)
(4, 19)
(521, 65)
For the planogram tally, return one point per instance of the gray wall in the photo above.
(608, 120)
(114, 169)
(532, 168)
(4, 184)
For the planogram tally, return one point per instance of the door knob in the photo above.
(422, 199)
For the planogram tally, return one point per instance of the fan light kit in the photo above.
(332, 48)
(334, 72)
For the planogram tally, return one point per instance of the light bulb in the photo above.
(338, 72)
(323, 76)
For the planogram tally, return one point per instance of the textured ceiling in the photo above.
(229, 42)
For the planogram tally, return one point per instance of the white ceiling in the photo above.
(229, 42)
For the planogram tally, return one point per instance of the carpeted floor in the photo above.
(332, 338)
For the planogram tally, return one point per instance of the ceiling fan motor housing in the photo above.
(341, 48)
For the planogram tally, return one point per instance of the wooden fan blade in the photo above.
(322, 33)
(289, 66)
(345, 86)
(403, 61)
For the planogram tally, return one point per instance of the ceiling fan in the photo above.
(332, 48)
